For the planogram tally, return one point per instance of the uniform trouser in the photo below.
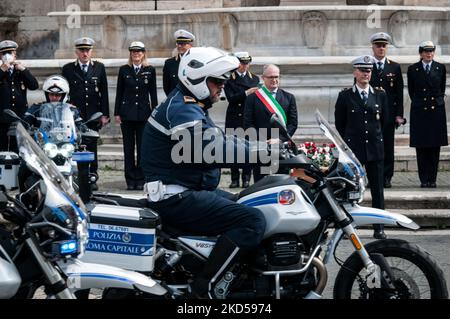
(91, 146)
(389, 140)
(212, 213)
(375, 175)
(7, 143)
(246, 174)
(132, 139)
(428, 163)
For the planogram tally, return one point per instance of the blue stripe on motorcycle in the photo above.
(371, 215)
(262, 200)
(102, 276)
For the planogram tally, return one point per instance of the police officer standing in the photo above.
(184, 41)
(359, 118)
(15, 79)
(241, 84)
(88, 90)
(136, 97)
(428, 131)
(387, 74)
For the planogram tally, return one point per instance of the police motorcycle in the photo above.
(42, 247)
(291, 262)
(61, 139)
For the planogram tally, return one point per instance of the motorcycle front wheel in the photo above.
(416, 274)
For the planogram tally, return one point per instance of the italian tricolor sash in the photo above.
(271, 104)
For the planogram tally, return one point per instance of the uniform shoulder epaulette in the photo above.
(379, 88)
(233, 75)
(189, 99)
(345, 89)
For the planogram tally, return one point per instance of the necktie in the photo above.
(84, 67)
(364, 96)
(11, 70)
(136, 70)
(380, 66)
(427, 69)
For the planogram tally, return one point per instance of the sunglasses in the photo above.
(217, 81)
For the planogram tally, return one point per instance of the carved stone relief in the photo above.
(314, 27)
(398, 28)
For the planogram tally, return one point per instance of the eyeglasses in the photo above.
(275, 77)
(217, 81)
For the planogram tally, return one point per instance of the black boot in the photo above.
(222, 257)
(234, 184)
(378, 231)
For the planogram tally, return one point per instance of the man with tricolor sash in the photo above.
(270, 99)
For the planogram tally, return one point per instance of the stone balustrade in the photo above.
(333, 30)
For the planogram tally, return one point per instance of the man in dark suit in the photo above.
(428, 131)
(88, 90)
(15, 79)
(257, 114)
(360, 119)
(184, 41)
(387, 74)
(241, 84)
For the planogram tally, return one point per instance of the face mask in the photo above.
(7, 58)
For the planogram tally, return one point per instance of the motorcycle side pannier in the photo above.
(122, 236)
(9, 169)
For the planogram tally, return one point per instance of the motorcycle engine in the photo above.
(283, 250)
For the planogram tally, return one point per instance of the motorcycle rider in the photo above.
(56, 89)
(185, 194)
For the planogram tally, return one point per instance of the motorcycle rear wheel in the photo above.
(417, 275)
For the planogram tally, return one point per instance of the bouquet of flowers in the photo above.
(321, 155)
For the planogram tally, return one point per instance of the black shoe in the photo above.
(378, 232)
(387, 183)
(245, 184)
(131, 187)
(94, 187)
(432, 185)
(234, 184)
(423, 185)
(139, 187)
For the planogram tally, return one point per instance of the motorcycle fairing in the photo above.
(86, 275)
(363, 216)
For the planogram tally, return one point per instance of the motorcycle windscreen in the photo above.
(345, 153)
(42, 165)
(57, 123)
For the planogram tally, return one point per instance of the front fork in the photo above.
(346, 227)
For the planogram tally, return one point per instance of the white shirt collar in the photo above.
(383, 60)
(425, 64)
(241, 74)
(367, 90)
(81, 64)
(137, 66)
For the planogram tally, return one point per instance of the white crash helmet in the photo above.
(56, 84)
(200, 63)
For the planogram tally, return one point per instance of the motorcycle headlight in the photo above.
(51, 150)
(67, 150)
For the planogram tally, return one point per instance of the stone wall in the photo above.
(263, 31)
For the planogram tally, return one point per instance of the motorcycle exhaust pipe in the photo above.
(323, 278)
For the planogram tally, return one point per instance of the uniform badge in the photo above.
(22, 87)
(96, 89)
(146, 80)
(378, 116)
(392, 83)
